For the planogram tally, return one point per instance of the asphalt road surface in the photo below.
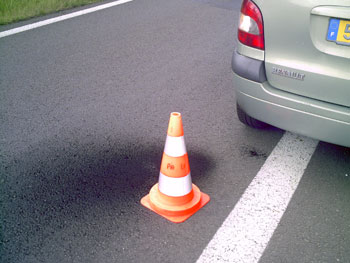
(84, 109)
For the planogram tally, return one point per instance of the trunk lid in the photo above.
(298, 56)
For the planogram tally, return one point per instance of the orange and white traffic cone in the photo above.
(174, 196)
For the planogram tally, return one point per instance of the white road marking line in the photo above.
(247, 230)
(61, 18)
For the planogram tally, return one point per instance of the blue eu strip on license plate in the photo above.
(333, 29)
(339, 31)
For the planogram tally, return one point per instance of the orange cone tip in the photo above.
(175, 125)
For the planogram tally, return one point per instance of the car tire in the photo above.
(249, 121)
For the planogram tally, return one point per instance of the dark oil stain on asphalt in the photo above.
(250, 151)
(58, 184)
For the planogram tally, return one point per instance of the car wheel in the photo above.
(250, 121)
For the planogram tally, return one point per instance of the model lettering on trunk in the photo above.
(288, 73)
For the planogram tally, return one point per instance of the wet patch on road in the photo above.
(250, 151)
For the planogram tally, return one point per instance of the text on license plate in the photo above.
(339, 31)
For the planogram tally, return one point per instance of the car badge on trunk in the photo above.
(288, 73)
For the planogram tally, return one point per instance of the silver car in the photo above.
(292, 67)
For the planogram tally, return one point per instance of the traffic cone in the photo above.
(174, 196)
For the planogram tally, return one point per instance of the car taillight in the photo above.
(251, 28)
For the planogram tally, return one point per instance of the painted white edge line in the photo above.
(61, 18)
(247, 230)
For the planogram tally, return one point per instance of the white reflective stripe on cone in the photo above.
(175, 146)
(175, 186)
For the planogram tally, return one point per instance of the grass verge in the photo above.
(17, 10)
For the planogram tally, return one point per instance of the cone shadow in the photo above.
(56, 186)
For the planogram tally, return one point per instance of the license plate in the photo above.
(339, 31)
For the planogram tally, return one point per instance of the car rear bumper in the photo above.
(305, 116)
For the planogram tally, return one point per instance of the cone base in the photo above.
(204, 199)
